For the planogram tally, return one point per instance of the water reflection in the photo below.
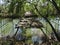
(7, 26)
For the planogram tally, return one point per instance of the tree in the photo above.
(45, 16)
(43, 8)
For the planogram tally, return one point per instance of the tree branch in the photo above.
(55, 5)
(49, 23)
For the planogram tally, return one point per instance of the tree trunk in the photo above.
(58, 38)
(49, 24)
(46, 37)
(55, 5)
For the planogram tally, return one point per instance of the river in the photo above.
(7, 26)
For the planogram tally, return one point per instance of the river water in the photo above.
(7, 26)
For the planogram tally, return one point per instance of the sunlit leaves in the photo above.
(18, 7)
(28, 33)
(58, 3)
(28, 7)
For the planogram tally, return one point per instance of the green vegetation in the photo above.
(44, 9)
